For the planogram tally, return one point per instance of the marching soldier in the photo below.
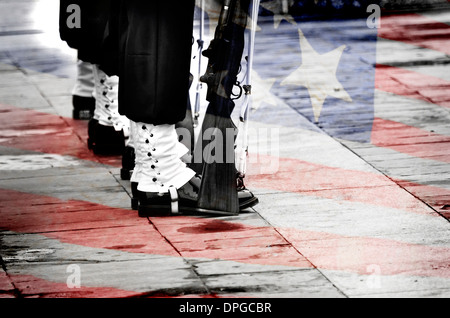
(107, 130)
(83, 100)
(154, 69)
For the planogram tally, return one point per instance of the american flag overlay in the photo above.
(349, 155)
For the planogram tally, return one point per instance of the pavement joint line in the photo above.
(71, 230)
(300, 253)
(418, 63)
(15, 292)
(121, 184)
(398, 183)
(191, 266)
(416, 91)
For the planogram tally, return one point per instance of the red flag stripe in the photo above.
(30, 286)
(417, 30)
(358, 254)
(94, 225)
(411, 84)
(410, 140)
(216, 239)
(338, 184)
(47, 133)
(438, 198)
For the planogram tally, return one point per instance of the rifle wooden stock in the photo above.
(213, 160)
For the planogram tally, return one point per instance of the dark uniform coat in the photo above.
(92, 38)
(147, 43)
(155, 56)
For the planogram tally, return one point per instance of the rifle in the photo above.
(200, 43)
(215, 161)
(242, 147)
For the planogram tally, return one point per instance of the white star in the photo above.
(277, 18)
(261, 91)
(318, 74)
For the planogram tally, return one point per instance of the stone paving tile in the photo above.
(300, 211)
(376, 285)
(308, 283)
(92, 184)
(208, 267)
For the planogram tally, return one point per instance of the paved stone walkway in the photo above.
(349, 158)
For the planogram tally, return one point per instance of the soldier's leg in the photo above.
(108, 130)
(83, 100)
(154, 74)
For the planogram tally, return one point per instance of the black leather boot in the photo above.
(134, 196)
(183, 199)
(128, 158)
(83, 107)
(246, 199)
(105, 140)
(155, 204)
